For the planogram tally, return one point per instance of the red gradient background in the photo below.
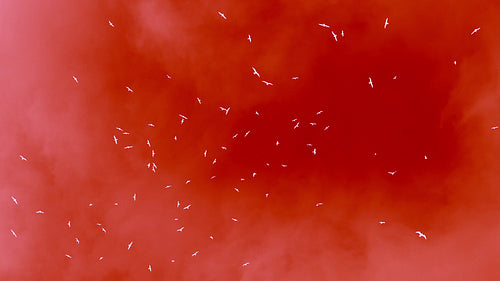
(434, 108)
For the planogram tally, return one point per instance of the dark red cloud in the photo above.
(432, 125)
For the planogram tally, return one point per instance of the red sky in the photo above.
(430, 120)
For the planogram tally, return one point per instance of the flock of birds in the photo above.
(152, 165)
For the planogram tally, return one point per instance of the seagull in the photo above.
(425, 157)
(178, 204)
(295, 78)
(392, 173)
(76, 79)
(420, 234)
(224, 148)
(370, 82)
(267, 83)
(455, 62)
(14, 199)
(394, 78)
(211, 237)
(149, 268)
(494, 127)
(103, 230)
(324, 25)
(182, 116)
(319, 204)
(153, 153)
(77, 241)
(246, 134)
(253, 175)
(101, 258)
(234, 219)
(130, 90)
(296, 125)
(245, 264)
(187, 207)
(168, 76)
(225, 109)
(249, 38)
(255, 71)
(13, 233)
(168, 186)
(381, 222)
(267, 195)
(68, 256)
(237, 190)
(205, 153)
(326, 128)
(130, 245)
(151, 125)
(115, 139)
(111, 24)
(386, 22)
(334, 36)
(342, 33)
(148, 143)
(277, 143)
(257, 113)
(180, 229)
(69, 224)
(475, 30)
(188, 181)
(319, 112)
(222, 15)
(135, 196)
(40, 212)
(128, 147)
(199, 101)
(195, 253)
(314, 151)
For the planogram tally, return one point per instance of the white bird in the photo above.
(222, 15)
(100, 258)
(76, 79)
(130, 245)
(199, 101)
(211, 237)
(153, 153)
(128, 147)
(249, 38)
(312, 124)
(103, 230)
(14, 199)
(77, 241)
(295, 78)
(319, 204)
(182, 116)
(69, 224)
(296, 125)
(149, 268)
(475, 30)
(392, 173)
(68, 256)
(151, 125)
(394, 78)
(23, 158)
(455, 62)
(381, 222)
(237, 190)
(420, 234)
(245, 264)
(215, 160)
(314, 151)
(235, 135)
(425, 157)
(255, 71)
(168, 76)
(205, 153)
(324, 25)
(40, 212)
(267, 83)
(148, 143)
(326, 128)
(342, 33)
(13, 233)
(319, 112)
(130, 90)
(168, 186)
(115, 139)
(257, 113)
(370, 82)
(234, 219)
(494, 127)
(277, 143)
(175, 138)
(111, 24)
(187, 207)
(254, 174)
(180, 229)
(246, 134)
(195, 253)
(386, 22)
(225, 109)
(178, 204)
(267, 195)
(334, 36)
(188, 181)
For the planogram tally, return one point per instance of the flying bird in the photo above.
(76, 79)
(381, 222)
(494, 127)
(234, 219)
(68, 256)
(195, 253)
(13, 233)
(199, 101)
(334, 36)
(77, 241)
(180, 229)
(130, 245)
(324, 25)
(111, 24)
(267, 83)
(115, 139)
(386, 22)
(128, 147)
(255, 72)
(245, 264)
(392, 173)
(14, 199)
(128, 89)
(249, 38)
(475, 30)
(40, 212)
(370, 82)
(295, 78)
(420, 234)
(222, 15)
(149, 268)
(225, 109)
